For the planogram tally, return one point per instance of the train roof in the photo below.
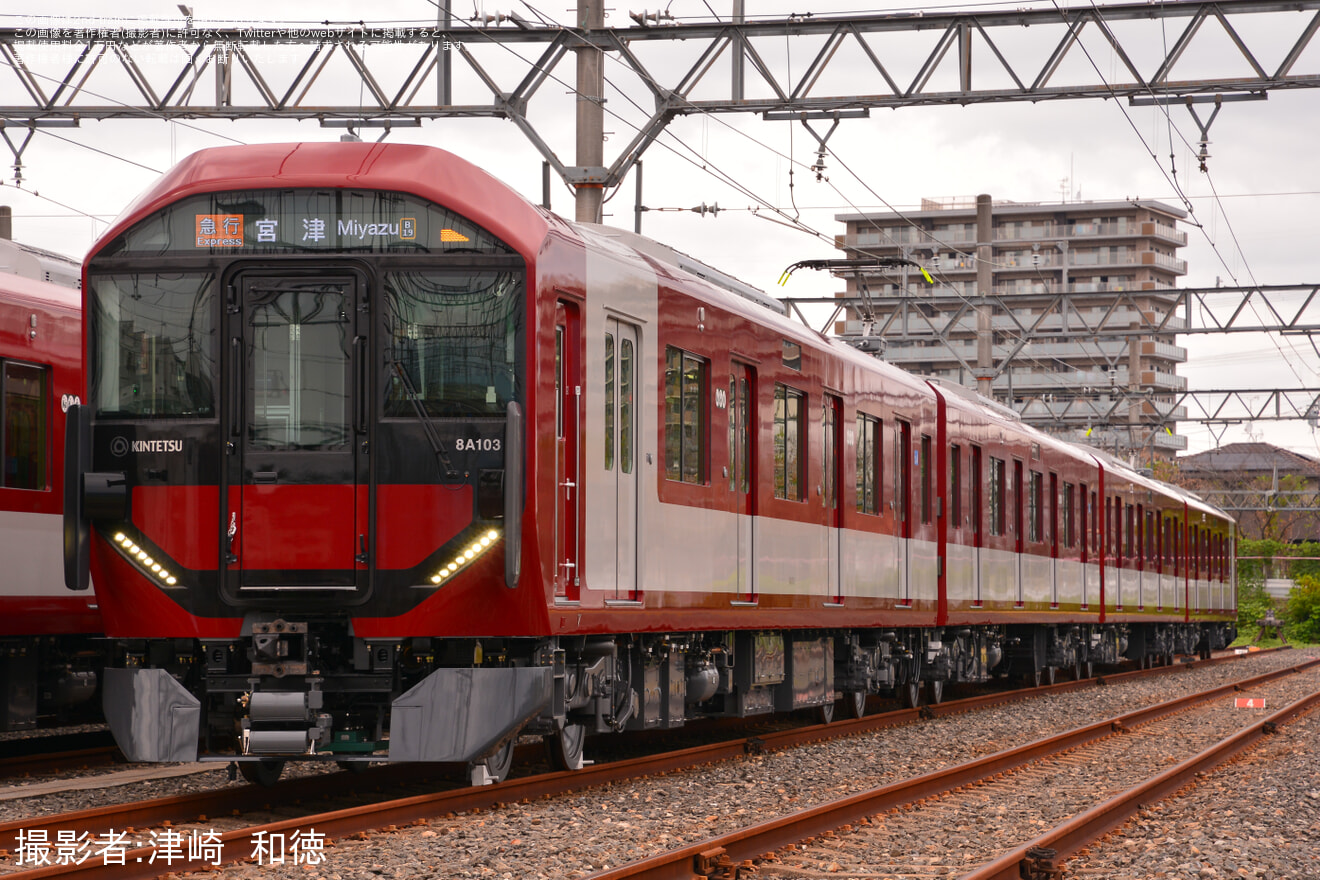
(428, 172)
(24, 292)
(1193, 501)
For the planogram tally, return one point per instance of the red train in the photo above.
(382, 462)
(48, 654)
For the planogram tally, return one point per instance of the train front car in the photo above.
(303, 455)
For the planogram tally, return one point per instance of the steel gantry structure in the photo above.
(60, 73)
(1284, 309)
(894, 60)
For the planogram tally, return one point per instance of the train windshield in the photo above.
(154, 344)
(453, 341)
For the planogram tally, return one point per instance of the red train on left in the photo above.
(50, 656)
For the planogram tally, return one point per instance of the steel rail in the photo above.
(186, 808)
(26, 765)
(726, 852)
(1036, 859)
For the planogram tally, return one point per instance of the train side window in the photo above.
(955, 486)
(996, 496)
(685, 416)
(25, 389)
(1034, 512)
(626, 363)
(1069, 502)
(925, 478)
(790, 443)
(609, 401)
(868, 463)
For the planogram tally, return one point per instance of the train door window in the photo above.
(868, 463)
(685, 416)
(1168, 545)
(1054, 514)
(996, 496)
(1019, 504)
(1069, 503)
(902, 469)
(790, 443)
(24, 416)
(829, 449)
(1084, 517)
(609, 401)
(559, 372)
(1139, 547)
(733, 434)
(627, 371)
(1095, 524)
(1034, 513)
(1130, 541)
(955, 486)
(925, 479)
(976, 484)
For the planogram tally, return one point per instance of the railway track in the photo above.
(44, 754)
(1009, 816)
(201, 811)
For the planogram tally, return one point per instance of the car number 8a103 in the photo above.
(479, 444)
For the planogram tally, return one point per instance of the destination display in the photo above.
(301, 220)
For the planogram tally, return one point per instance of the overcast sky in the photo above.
(1259, 229)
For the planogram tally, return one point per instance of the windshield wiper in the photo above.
(428, 426)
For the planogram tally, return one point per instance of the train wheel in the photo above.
(1078, 670)
(265, 772)
(1049, 674)
(565, 747)
(825, 713)
(909, 694)
(854, 704)
(934, 692)
(500, 763)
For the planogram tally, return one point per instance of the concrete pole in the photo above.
(590, 114)
(444, 69)
(985, 336)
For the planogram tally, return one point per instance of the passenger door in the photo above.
(621, 341)
(296, 366)
(832, 474)
(568, 415)
(742, 476)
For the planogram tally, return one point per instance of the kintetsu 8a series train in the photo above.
(382, 462)
(49, 652)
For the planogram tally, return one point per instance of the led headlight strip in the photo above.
(143, 560)
(465, 558)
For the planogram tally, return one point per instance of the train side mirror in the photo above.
(77, 528)
(87, 496)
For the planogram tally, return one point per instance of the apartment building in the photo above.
(1111, 259)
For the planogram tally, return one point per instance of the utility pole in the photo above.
(590, 171)
(985, 335)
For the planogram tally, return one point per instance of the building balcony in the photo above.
(1163, 351)
(1159, 379)
(1164, 261)
(1164, 231)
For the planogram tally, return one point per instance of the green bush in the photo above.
(1253, 602)
(1303, 611)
